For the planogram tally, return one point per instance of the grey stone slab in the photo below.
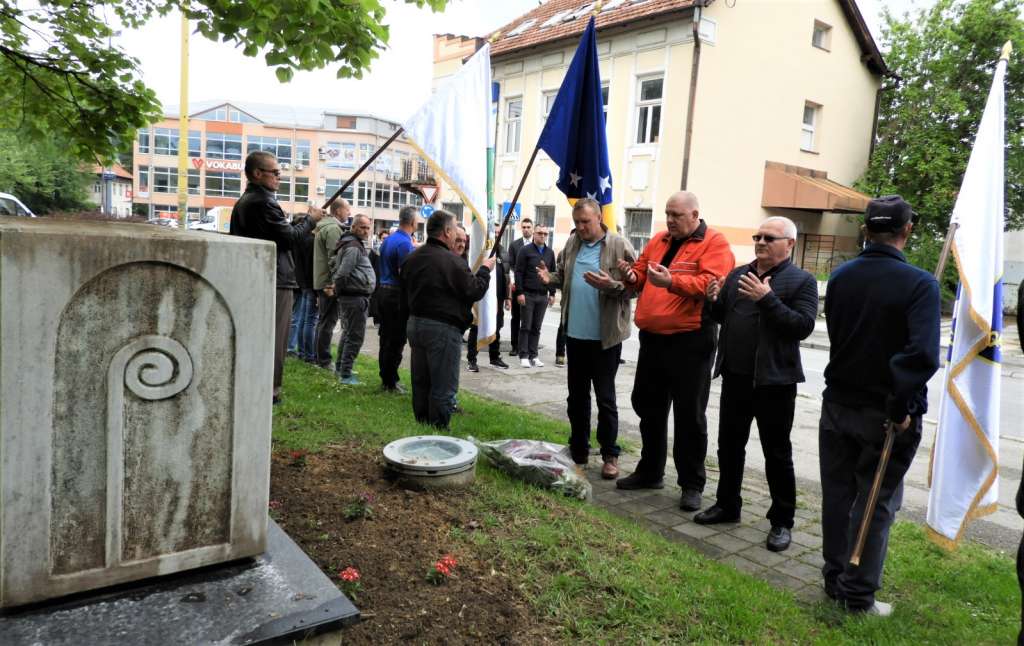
(730, 544)
(661, 501)
(806, 539)
(695, 530)
(666, 518)
(279, 597)
(638, 509)
(800, 570)
(813, 558)
(759, 554)
(744, 565)
(610, 498)
(780, 580)
(749, 534)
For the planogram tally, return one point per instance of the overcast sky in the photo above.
(395, 85)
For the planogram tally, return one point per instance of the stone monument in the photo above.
(135, 408)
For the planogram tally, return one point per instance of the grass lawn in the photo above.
(601, 578)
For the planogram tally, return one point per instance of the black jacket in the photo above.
(527, 260)
(785, 317)
(883, 330)
(513, 251)
(438, 285)
(502, 268)
(258, 215)
(302, 254)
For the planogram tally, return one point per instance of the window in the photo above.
(143, 179)
(222, 146)
(165, 180)
(638, 227)
(822, 36)
(195, 143)
(365, 151)
(400, 198)
(513, 124)
(165, 141)
(546, 102)
(382, 196)
(648, 110)
(279, 147)
(226, 113)
(523, 26)
(284, 190)
(455, 208)
(544, 216)
(144, 140)
(334, 184)
(811, 118)
(364, 193)
(302, 189)
(819, 253)
(415, 200)
(302, 152)
(223, 184)
(604, 101)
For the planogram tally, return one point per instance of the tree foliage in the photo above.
(63, 77)
(945, 57)
(42, 174)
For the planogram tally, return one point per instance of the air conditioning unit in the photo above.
(323, 156)
(285, 166)
(319, 190)
(299, 167)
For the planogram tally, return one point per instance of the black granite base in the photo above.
(279, 597)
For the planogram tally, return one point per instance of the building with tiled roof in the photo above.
(770, 111)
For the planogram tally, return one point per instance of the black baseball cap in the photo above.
(888, 213)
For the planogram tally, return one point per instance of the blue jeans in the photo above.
(303, 327)
(436, 351)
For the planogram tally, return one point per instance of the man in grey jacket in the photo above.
(596, 320)
(353, 282)
(326, 235)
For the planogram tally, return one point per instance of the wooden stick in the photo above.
(365, 165)
(947, 246)
(515, 198)
(876, 486)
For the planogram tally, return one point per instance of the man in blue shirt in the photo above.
(394, 313)
(595, 316)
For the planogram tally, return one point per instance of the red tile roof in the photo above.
(117, 169)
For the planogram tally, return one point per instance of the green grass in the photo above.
(603, 579)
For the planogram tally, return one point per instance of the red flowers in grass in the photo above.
(349, 574)
(298, 458)
(350, 581)
(442, 569)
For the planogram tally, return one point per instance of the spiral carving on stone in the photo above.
(153, 367)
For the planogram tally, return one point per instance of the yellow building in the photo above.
(782, 110)
(318, 150)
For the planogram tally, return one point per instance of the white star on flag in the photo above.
(592, 196)
(574, 179)
(606, 184)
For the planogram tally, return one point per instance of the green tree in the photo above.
(945, 57)
(62, 77)
(43, 175)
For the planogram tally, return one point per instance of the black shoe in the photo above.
(499, 363)
(778, 539)
(690, 500)
(276, 400)
(397, 389)
(473, 367)
(715, 514)
(638, 481)
(622, 361)
(514, 353)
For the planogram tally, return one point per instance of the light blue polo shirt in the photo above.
(584, 302)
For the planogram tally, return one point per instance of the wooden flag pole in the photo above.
(362, 168)
(515, 198)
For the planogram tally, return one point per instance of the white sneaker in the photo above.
(880, 609)
(537, 363)
(524, 363)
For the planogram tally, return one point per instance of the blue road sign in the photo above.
(426, 210)
(516, 213)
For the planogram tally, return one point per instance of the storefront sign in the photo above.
(218, 164)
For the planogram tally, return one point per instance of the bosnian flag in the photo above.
(453, 131)
(965, 457)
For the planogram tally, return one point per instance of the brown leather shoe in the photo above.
(610, 470)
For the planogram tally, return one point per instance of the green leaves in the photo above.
(42, 174)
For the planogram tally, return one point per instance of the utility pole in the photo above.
(183, 126)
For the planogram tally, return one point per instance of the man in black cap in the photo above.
(883, 328)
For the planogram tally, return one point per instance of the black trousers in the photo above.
(560, 337)
(849, 445)
(590, 365)
(513, 326)
(674, 370)
(494, 349)
(329, 312)
(532, 318)
(394, 318)
(282, 325)
(772, 407)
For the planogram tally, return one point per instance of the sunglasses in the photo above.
(275, 171)
(757, 237)
(540, 233)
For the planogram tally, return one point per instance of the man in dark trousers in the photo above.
(328, 231)
(394, 312)
(353, 282)
(765, 309)
(533, 295)
(526, 226)
(501, 280)
(883, 329)
(440, 290)
(304, 312)
(258, 215)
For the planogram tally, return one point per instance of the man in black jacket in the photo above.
(765, 308)
(883, 329)
(501, 280)
(533, 295)
(440, 291)
(526, 226)
(258, 215)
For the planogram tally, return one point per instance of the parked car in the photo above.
(164, 222)
(10, 205)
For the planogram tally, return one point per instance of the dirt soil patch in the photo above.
(395, 548)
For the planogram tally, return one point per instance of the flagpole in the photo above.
(515, 198)
(362, 168)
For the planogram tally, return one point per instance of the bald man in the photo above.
(676, 345)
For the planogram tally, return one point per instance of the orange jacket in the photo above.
(677, 308)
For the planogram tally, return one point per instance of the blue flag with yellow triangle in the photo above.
(574, 136)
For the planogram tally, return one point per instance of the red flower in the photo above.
(349, 574)
(275, 504)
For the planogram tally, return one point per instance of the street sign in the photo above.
(426, 210)
(108, 176)
(516, 213)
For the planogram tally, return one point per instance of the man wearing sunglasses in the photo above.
(765, 309)
(258, 215)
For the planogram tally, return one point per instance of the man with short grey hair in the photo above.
(765, 309)
(354, 281)
(326, 235)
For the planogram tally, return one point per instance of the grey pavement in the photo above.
(544, 390)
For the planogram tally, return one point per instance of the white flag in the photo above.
(452, 130)
(965, 457)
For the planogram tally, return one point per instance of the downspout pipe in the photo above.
(692, 102)
(878, 105)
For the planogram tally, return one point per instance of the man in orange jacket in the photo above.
(677, 344)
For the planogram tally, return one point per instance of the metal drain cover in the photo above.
(427, 455)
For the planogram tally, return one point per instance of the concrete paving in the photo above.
(544, 390)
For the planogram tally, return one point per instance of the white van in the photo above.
(216, 219)
(10, 205)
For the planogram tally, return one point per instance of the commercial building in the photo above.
(780, 98)
(118, 201)
(317, 150)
